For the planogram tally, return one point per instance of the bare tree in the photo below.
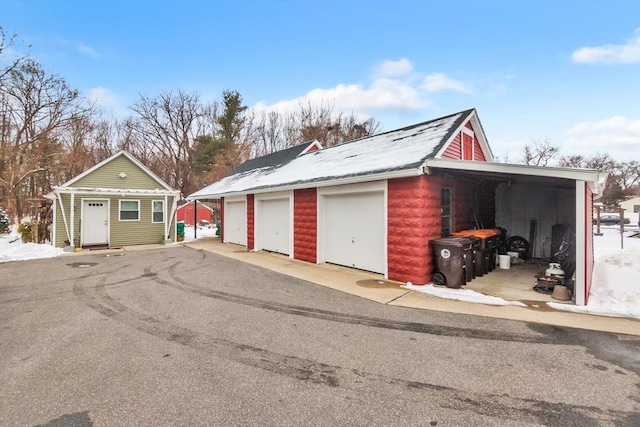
(167, 124)
(540, 154)
(6, 54)
(35, 111)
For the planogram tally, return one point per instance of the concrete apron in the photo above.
(374, 287)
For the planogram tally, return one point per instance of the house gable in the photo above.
(467, 141)
(120, 171)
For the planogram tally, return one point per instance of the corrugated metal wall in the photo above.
(518, 204)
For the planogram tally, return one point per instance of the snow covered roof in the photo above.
(279, 158)
(391, 154)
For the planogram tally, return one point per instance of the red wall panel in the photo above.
(413, 220)
(250, 222)
(454, 150)
(305, 214)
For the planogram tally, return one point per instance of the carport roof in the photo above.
(515, 172)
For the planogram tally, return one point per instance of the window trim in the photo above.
(120, 210)
(153, 212)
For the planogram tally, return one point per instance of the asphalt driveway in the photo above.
(180, 336)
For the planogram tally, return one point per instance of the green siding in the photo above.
(121, 233)
(107, 177)
(140, 232)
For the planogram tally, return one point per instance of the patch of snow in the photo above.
(466, 295)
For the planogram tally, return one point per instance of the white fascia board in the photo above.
(406, 173)
(112, 191)
(588, 175)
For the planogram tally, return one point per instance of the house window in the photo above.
(157, 211)
(129, 210)
(445, 211)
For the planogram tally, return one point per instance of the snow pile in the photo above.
(466, 295)
(615, 288)
(12, 248)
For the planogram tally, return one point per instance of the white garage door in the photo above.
(235, 222)
(274, 224)
(353, 230)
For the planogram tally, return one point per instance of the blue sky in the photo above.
(568, 71)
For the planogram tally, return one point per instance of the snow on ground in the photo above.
(615, 290)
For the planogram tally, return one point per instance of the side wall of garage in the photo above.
(414, 219)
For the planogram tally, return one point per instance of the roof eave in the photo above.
(404, 173)
(588, 175)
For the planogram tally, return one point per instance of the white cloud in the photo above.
(382, 95)
(628, 53)
(86, 50)
(613, 133)
(103, 97)
(398, 68)
(439, 82)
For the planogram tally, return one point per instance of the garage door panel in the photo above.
(274, 225)
(235, 223)
(354, 230)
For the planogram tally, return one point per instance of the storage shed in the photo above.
(192, 213)
(117, 202)
(375, 203)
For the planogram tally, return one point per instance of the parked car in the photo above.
(610, 219)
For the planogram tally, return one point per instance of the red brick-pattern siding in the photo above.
(250, 222)
(305, 215)
(413, 220)
(222, 219)
(454, 150)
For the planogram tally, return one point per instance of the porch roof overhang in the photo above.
(109, 192)
(540, 175)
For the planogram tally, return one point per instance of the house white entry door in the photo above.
(274, 224)
(235, 222)
(95, 222)
(353, 230)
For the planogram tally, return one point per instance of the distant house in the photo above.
(117, 202)
(186, 212)
(632, 209)
(376, 203)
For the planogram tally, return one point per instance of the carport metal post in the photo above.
(195, 219)
(621, 211)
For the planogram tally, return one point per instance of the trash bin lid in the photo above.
(482, 233)
(460, 242)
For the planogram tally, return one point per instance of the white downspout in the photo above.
(72, 207)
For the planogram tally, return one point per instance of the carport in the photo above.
(530, 200)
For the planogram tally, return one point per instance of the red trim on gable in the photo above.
(467, 147)
(312, 149)
(250, 222)
(305, 214)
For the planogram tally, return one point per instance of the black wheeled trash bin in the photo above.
(450, 256)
